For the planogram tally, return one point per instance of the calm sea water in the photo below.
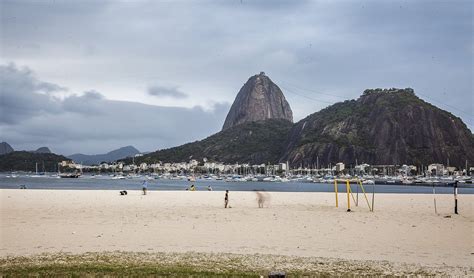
(106, 183)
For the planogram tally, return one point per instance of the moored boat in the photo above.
(69, 175)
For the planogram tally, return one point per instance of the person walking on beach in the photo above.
(226, 198)
(260, 199)
(144, 186)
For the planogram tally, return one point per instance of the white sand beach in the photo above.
(402, 229)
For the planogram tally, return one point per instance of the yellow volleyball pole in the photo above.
(335, 190)
(348, 197)
(363, 190)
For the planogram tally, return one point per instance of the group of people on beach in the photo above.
(261, 197)
(193, 188)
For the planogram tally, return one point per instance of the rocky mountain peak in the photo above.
(42, 150)
(5, 148)
(259, 99)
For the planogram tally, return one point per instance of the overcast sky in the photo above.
(92, 76)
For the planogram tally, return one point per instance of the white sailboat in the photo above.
(36, 175)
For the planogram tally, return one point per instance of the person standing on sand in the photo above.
(226, 199)
(144, 186)
(260, 199)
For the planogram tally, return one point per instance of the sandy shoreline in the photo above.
(403, 228)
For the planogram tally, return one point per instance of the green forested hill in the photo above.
(26, 161)
(252, 142)
(383, 126)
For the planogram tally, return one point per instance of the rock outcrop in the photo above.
(5, 148)
(42, 150)
(391, 126)
(259, 99)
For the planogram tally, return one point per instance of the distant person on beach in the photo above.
(193, 188)
(209, 188)
(145, 186)
(262, 197)
(226, 198)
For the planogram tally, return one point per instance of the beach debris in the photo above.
(277, 274)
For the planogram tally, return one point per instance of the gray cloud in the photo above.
(23, 96)
(90, 123)
(161, 91)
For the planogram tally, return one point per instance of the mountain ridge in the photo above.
(111, 156)
(26, 161)
(241, 143)
(42, 150)
(382, 126)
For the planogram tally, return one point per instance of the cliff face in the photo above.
(259, 99)
(381, 127)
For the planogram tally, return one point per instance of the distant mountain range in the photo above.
(6, 148)
(111, 156)
(383, 126)
(11, 160)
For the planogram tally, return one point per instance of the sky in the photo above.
(92, 76)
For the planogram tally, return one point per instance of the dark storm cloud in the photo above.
(22, 96)
(160, 91)
(91, 123)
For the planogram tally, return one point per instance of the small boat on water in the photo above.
(69, 176)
